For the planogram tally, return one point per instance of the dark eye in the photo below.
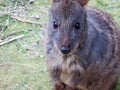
(55, 25)
(77, 25)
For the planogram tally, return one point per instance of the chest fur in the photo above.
(67, 66)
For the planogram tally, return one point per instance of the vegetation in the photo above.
(22, 64)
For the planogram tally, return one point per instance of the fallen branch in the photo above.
(25, 20)
(2, 37)
(11, 39)
(14, 32)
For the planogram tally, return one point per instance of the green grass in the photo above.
(22, 64)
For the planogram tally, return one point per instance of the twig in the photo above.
(25, 20)
(2, 37)
(14, 32)
(10, 40)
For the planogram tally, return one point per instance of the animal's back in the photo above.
(103, 35)
(103, 51)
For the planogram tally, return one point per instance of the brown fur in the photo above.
(94, 60)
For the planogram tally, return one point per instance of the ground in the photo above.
(22, 64)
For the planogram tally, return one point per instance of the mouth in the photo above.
(66, 51)
(75, 49)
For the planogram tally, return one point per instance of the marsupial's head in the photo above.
(67, 25)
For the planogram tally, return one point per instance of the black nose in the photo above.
(65, 50)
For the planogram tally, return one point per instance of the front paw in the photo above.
(74, 82)
(71, 88)
(59, 86)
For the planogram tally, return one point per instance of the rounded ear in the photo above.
(83, 2)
